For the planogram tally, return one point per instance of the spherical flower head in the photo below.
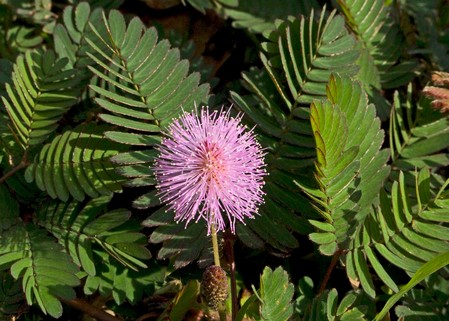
(210, 166)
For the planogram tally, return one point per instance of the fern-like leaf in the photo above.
(326, 305)
(114, 279)
(374, 25)
(301, 53)
(187, 50)
(336, 173)
(31, 254)
(77, 163)
(41, 92)
(416, 303)
(43, 280)
(350, 170)
(135, 165)
(153, 83)
(419, 135)
(184, 244)
(427, 25)
(11, 150)
(405, 233)
(83, 229)
(148, 86)
(70, 37)
(174, 238)
(108, 247)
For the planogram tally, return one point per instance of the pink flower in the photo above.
(210, 166)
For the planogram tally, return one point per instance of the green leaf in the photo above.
(184, 300)
(77, 163)
(326, 306)
(246, 306)
(423, 272)
(136, 65)
(180, 243)
(298, 57)
(147, 200)
(276, 293)
(143, 85)
(349, 169)
(375, 27)
(429, 145)
(86, 229)
(335, 167)
(40, 93)
(417, 134)
(42, 280)
(406, 235)
(133, 139)
(107, 222)
(116, 281)
(322, 238)
(361, 118)
(70, 36)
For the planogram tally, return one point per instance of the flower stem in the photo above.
(215, 245)
(229, 253)
(221, 307)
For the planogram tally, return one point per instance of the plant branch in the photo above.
(329, 271)
(23, 163)
(91, 310)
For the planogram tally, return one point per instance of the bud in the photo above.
(214, 286)
(440, 78)
(439, 96)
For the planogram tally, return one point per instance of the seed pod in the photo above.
(214, 286)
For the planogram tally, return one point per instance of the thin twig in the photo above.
(229, 251)
(91, 310)
(23, 163)
(329, 271)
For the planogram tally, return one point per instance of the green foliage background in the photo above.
(357, 158)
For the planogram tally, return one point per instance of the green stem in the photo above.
(229, 254)
(215, 245)
(221, 307)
